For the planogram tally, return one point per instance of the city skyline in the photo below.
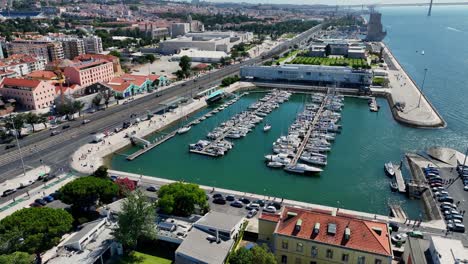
(335, 2)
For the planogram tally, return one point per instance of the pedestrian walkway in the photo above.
(23, 201)
(26, 179)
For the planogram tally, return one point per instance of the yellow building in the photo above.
(300, 236)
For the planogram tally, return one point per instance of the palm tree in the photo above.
(78, 107)
(31, 118)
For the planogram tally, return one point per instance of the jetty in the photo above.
(317, 116)
(150, 146)
(397, 212)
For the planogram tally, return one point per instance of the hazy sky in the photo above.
(339, 2)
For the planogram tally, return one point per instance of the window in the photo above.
(378, 261)
(284, 259)
(345, 258)
(298, 261)
(314, 252)
(299, 247)
(329, 253)
(284, 244)
(361, 260)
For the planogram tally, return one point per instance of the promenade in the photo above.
(417, 111)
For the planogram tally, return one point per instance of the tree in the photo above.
(16, 123)
(97, 100)
(33, 230)
(125, 186)
(43, 118)
(31, 118)
(115, 53)
(257, 255)
(135, 220)
(84, 192)
(101, 172)
(180, 198)
(185, 65)
(17, 257)
(77, 106)
(150, 58)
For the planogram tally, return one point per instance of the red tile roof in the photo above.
(84, 57)
(42, 75)
(363, 235)
(121, 83)
(20, 82)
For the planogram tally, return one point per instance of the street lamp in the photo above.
(422, 87)
(18, 144)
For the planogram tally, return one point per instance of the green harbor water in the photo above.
(353, 178)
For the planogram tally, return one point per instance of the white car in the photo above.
(465, 188)
(251, 213)
(270, 209)
(399, 238)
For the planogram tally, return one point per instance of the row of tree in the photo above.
(17, 122)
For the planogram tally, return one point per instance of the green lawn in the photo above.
(355, 63)
(292, 53)
(141, 258)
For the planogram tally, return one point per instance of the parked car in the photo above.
(48, 198)
(230, 198)
(217, 195)
(276, 205)
(219, 201)
(151, 189)
(48, 177)
(446, 199)
(35, 205)
(237, 204)
(399, 238)
(260, 202)
(40, 201)
(251, 213)
(270, 209)
(459, 228)
(86, 121)
(253, 206)
(416, 234)
(454, 206)
(8, 192)
(54, 132)
(65, 126)
(244, 200)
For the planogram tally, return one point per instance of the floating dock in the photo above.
(399, 179)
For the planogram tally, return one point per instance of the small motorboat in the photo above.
(266, 128)
(389, 170)
(183, 130)
(275, 164)
(393, 186)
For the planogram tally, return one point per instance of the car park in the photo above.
(251, 213)
(237, 204)
(219, 201)
(270, 209)
(230, 198)
(151, 189)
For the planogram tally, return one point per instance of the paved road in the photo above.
(55, 151)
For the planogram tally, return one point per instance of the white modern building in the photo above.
(201, 55)
(313, 74)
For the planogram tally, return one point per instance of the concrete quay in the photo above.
(418, 110)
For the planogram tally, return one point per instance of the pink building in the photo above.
(29, 94)
(89, 72)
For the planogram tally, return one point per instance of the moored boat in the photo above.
(389, 170)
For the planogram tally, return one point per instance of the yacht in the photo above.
(266, 128)
(275, 164)
(302, 169)
(184, 130)
(314, 160)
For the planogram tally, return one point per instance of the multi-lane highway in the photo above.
(55, 151)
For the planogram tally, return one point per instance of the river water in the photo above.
(354, 177)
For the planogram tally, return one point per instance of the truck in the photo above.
(98, 137)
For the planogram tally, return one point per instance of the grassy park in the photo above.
(354, 63)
